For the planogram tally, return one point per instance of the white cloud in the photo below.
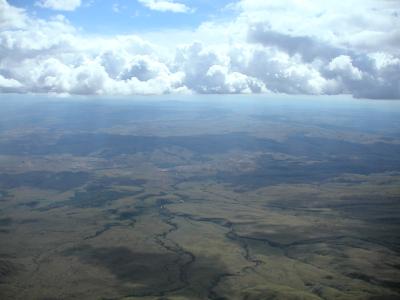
(51, 57)
(11, 16)
(350, 24)
(344, 66)
(116, 8)
(313, 48)
(68, 5)
(9, 85)
(165, 6)
(210, 71)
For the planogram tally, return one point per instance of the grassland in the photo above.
(192, 201)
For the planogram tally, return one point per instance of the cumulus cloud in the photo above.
(67, 5)
(49, 56)
(210, 71)
(331, 47)
(313, 48)
(309, 48)
(165, 5)
(350, 24)
(11, 16)
(343, 65)
(9, 85)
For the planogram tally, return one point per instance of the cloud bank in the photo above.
(320, 48)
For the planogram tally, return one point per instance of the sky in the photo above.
(141, 47)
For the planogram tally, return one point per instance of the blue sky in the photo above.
(131, 47)
(130, 16)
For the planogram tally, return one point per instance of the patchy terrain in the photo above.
(203, 199)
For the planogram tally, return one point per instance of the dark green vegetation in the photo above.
(203, 199)
(61, 181)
